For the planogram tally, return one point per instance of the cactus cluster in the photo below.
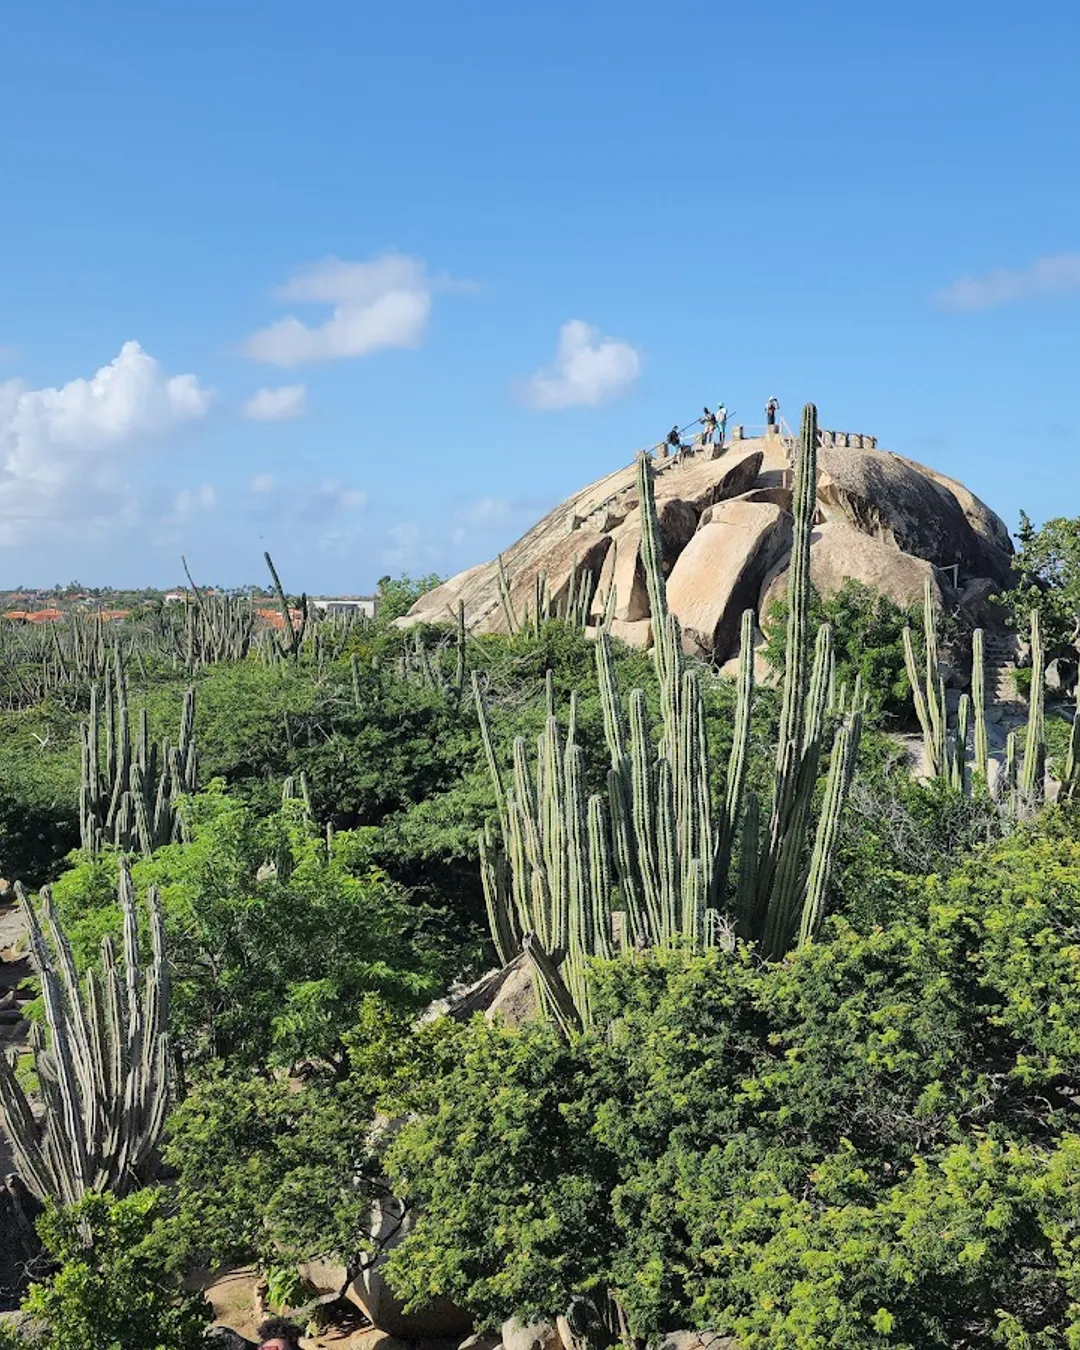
(131, 787)
(572, 602)
(1021, 785)
(649, 861)
(103, 1068)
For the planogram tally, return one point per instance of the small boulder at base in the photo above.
(1061, 675)
(697, 1340)
(720, 573)
(530, 1335)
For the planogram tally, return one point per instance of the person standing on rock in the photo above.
(721, 422)
(674, 440)
(771, 409)
(708, 426)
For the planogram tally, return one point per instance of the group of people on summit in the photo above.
(714, 426)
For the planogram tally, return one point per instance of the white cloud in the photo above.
(1053, 275)
(277, 405)
(588, 369)
(262, 482)
(376, 304)
(62, 450)
(485, 512)
(191, 500)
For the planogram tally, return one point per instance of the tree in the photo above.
(871, 1144)
(1048, 567)
(397, 595)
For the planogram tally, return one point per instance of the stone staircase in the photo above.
(1000, 657)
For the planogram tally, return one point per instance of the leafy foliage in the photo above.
(273, 940)
(872, 1144)
(1047, 565)
(112, 1288)
(868, 632)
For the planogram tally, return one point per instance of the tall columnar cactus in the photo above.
(981, 764)
(648, 863)
(103, 1068)
(928, 690)
(1033, 773)
(130, 799)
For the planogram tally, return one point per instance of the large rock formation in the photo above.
(725, 530)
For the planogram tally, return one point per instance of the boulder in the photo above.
(622, 569)
(441, 1319)
(763, 672)
(678, 520)
(697, 1340)
(585, 551)
(893, 500)
(437, 606)
(987, 524)
(977, 603)
(839, 552)
(530, 1335)
(1061, 675)
(719, 573)
(703, 482)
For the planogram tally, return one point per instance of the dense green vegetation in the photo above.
(869, 1140)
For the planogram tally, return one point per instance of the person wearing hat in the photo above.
(721, 422)
(771, 409)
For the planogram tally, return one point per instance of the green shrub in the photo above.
(871, 1144)
(113, 1286)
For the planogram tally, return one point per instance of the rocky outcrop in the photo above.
(725, 521)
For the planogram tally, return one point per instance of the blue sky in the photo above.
(372, 286)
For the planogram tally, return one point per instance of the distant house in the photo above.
(361, 605)
(273, 618)
(179, 597)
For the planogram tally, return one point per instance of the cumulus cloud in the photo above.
(381, 303)
(262, 483)
(277, 405)
(588, 369)
(62, 450)
(1053, 275)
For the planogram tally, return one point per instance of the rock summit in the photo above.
(725, 526)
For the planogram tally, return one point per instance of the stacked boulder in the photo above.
(725, 522)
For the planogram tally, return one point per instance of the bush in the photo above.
(271, 965)
(870, 1144)
(112, 1288)
(868, 641)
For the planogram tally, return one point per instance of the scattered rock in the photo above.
(440, 1320)
(489, 1342)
